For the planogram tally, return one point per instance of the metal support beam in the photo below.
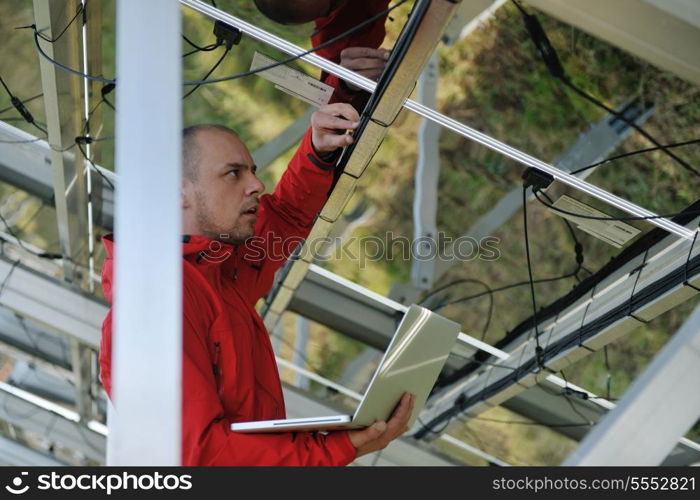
(347, 308)
(82, 372)
(300, 344)
(25, 162)
(55, 305)
(147, 389)
(62, 98)
(14, 454)
(52, 386)
(21, 339)
(425, 200)
(29, 377)
(661, 404)
(52, 421)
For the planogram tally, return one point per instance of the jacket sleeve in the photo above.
(341, 20)
(206, 435)
(286, 218)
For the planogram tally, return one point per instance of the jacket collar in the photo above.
(198, 248)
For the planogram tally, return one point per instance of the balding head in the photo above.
(192, 148)
(219, 185)
(296, 11)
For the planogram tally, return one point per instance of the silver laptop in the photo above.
(412, 362)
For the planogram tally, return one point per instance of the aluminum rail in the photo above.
(439, 118)
(52, 421)
(25, 162)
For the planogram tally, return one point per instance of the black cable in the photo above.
(94, 167)
(567, 391)
(9, 108)
(592, 217)
(658, 288)
(506, 287)
(108, 103)
(520, 7)
(434, 431)
(290, 59)
(8, 275)
(633, 153)
(570, 391)
(13, 234)
(491, 302)
(11, 119)
(538, 348)
(485, 363)
(578, 247)
(343, 35)
(106, 89)
(33, 217)
(21, 109)
(631, 123)
(197, 48)
(63, 66)
(213, 68)
(556, 70)
(55, 39)
(27, 141)
(195, 51)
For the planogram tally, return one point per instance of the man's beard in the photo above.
(232, 235)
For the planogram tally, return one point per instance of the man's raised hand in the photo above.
(329, 126)
(366, 61)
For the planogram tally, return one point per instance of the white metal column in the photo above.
(425, 201)
(300, 344)
(659, 407)
(147, 345)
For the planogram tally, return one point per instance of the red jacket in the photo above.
(339, 21)
(229, 371)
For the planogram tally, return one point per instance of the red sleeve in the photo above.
(339, 21)
(286, 218)
(345, 18)
(206, 435)
(105, 356)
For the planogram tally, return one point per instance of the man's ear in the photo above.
(187, 193)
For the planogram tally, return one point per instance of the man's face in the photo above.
(223, 198)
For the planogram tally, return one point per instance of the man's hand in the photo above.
(380, 434)
(329, 125)
(365, 61)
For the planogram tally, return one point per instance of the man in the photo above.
(358, 51)
(229, 369)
